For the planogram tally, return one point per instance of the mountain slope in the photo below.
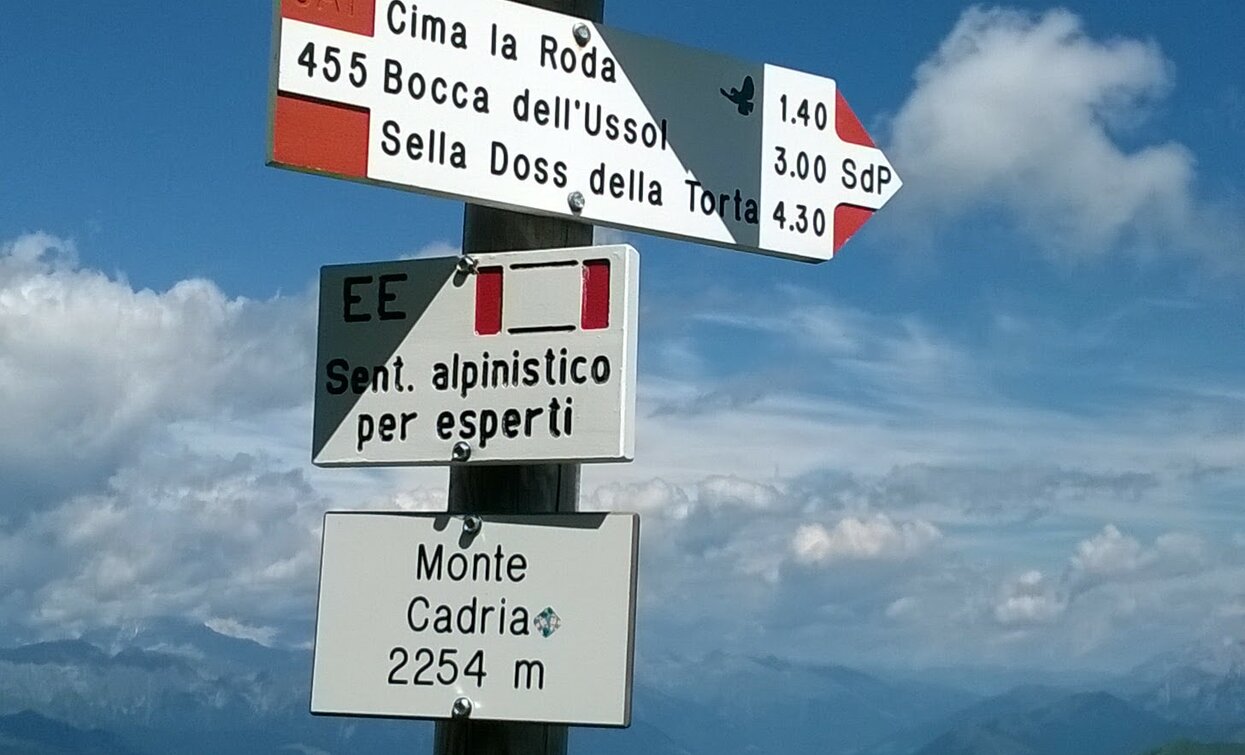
(1094, 723)
(738, 704)
(1191, 748)
(907, 740)
(28, 733)
(1202, 685)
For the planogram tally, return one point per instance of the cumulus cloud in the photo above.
(721, 490)
(1099, 583)
(92, 367)
(655, 497)
(1023, 113)
(232, 540)
(855, 539)
(1114, 556)
(1109, 553)
(1029, 599)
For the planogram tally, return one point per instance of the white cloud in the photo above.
(91, 367)
(721, 490)
(1023, 112)
(1029, 599)
(655, 497)
(230, 539)
(235, 628)
(905, 607)
(1108, 554)
(856, 539)
(1114, 556)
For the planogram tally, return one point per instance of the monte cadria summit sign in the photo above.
(512, 106)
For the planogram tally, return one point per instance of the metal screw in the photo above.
(472, 524)
(583, 34)
(462, 708)
(577, 202)
(462, 451)
(467, 265)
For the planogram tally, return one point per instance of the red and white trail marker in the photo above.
(512, 106)
(524, 357)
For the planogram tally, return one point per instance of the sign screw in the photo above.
(467, 265)
(462, 451)
(462, 708)
(472, 524)
(583, 34)
(577, 202)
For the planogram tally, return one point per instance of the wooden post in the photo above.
(517, 489)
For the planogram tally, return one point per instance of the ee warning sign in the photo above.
(512, 357)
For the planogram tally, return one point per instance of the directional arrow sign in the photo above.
(512, 106)
(530, 618)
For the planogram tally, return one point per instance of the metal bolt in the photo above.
(472, 524)
(462, 708)
(577, 202)
(467, 265)
(583, 34)
(462, 451)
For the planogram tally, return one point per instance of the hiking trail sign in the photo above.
(511, 357)
(526, 618)
(511, 106)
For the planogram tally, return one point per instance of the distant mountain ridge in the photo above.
(170, 687)
(1191, 748)
(28, 733)
(1203, 686)
(1095, 723)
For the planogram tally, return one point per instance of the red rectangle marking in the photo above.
(320, 136)
(595, 313)
(355, 16)
(488, 301)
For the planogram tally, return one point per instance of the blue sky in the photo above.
(1006, 426)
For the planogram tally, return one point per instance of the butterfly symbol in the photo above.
(743, 96)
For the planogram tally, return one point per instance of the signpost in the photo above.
(434, 616)
(504, 626)
(498, 358)
(522, 108)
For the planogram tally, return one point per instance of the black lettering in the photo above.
(531, 415)
(428, 567)
(393, 81)
(531, 372)
(410, 612)
(510, 423)
(456, 560)
(433, 29)
(445, 425)
(385, 296)
(397, 21)
(849, 173)
(349, 297)
(468, 422)
(516, 568)
(336, 371)
(601, 370)
(390, 144)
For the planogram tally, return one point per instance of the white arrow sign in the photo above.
(512, 106)
(531, 618)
